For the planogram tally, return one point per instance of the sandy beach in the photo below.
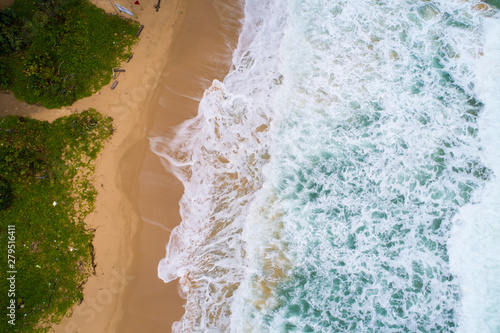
(184, 46)
(200, 53)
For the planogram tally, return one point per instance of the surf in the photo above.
(336, 176)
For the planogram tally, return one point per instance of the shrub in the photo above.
(45, 192)
(54, 52)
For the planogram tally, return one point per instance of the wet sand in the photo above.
(201, 53)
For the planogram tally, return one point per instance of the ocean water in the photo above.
(345, 176)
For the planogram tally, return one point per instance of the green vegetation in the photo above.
(54, 52)
(45, 192)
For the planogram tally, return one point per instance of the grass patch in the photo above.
(54, 52)
(46, 192)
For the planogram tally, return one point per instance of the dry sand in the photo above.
(183, 47)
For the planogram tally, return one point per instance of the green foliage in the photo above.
(54, 52)
(46, 172)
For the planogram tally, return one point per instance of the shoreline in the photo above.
(182, 49)
(201, 53)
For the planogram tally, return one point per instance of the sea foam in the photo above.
(344, 176)
(474, 245)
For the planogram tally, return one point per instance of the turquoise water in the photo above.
(343, 177)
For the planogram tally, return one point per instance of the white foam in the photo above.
(296, 162)
(219, 156)
(475, 242)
